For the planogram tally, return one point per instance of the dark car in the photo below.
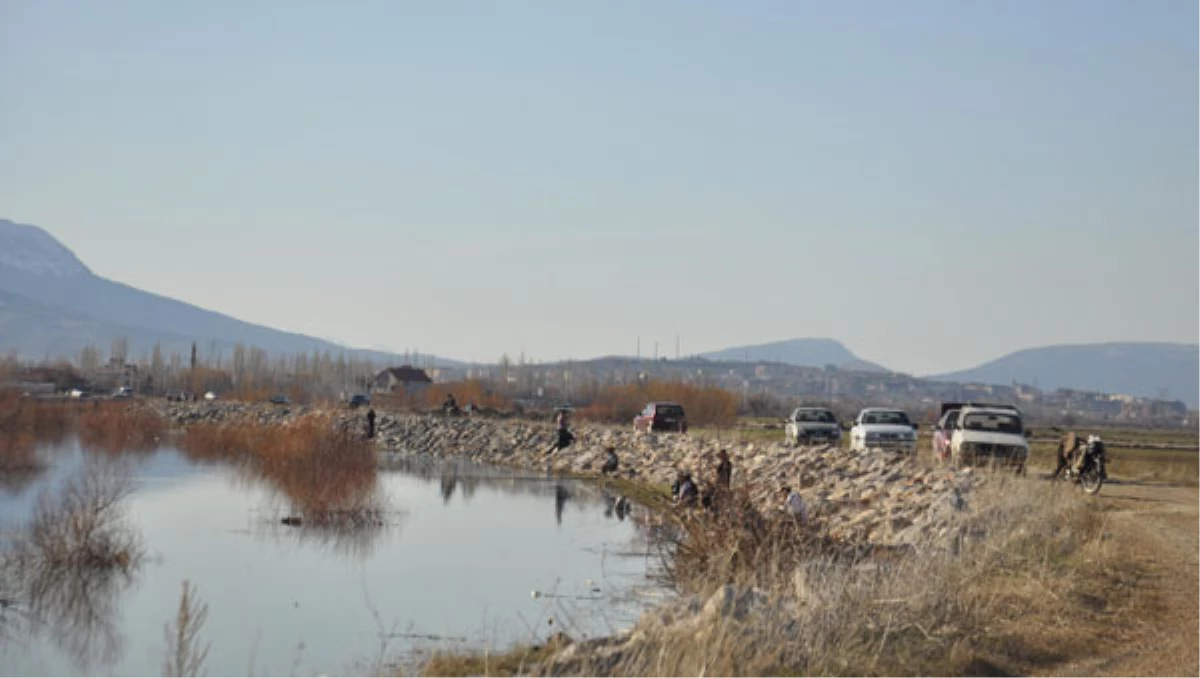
(279, 399)
(358, 400)
(661, 417)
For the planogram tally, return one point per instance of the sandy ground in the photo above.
(1159, 633)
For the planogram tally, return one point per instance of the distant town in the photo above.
(765, 389)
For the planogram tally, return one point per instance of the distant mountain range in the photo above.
(1148, 369)
(802, 352)
(52, 305)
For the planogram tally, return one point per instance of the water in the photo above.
(454, 566)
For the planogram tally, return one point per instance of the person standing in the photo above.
(794, 505)
(371, 423)
(724, 471)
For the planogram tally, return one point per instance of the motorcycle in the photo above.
(1091, 472)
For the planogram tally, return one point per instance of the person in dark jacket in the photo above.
(610, 461)
(724, 471)
(371, 423)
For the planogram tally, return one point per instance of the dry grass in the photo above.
(516, 662)
(117, 427)
(185, 652)
(25, 422)
(704, 405)
(1007, 592)
(327, 472)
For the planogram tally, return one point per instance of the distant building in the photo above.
(405, 378)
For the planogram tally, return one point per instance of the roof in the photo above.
(407, 374)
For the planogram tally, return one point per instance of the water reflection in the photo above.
(77, 610)
(455, 557)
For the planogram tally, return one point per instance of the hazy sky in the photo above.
(933, 183)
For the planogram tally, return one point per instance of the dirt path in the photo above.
(1158, 527)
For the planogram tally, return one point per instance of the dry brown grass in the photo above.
(117, 427)
(43, 419)
(328, 473)
(1007, 592)
(704, 405)
(516, 662)
(185, 652)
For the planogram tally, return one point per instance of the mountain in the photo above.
(1141, 369)
(51, 304)
(802, 352)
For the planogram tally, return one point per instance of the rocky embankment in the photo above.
(875, 497)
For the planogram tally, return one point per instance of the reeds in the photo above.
(116, 427)
(185, 652)
(326, 471)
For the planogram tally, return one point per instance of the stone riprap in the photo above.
(877, 497)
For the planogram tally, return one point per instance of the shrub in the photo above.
(326, 471)
(119, 427)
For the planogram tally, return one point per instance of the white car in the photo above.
(989, 434)
(812, 425)
(888, 429)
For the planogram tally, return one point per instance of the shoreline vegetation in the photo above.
(1007, 580)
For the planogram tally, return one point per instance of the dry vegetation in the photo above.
(327, 472)
(117, 427)
(24, 422)
(1022, 553)
(80, 525)
(185, 652)
(1007, 593)
(704, 405)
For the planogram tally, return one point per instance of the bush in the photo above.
(327, 472)
(119, 427)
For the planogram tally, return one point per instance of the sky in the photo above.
(933, 183)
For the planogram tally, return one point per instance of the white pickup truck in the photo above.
(888, 429)
(993, 434)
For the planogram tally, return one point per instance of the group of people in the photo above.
(686, 492)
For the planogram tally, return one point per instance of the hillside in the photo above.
(807, 352)
(51, 304)
(1136, 368)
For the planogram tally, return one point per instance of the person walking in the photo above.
(371, 423)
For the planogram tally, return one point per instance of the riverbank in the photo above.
(967, 592)
(875, 497)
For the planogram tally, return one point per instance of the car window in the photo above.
(815, 416)
(886, 417)
(996, 422)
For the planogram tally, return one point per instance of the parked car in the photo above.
(811, 425)
(877, 427)
(123, 392)
(358, 400)
(661, 417)
(942, 431)
(989, 434)
(280, 399)
(210, 396)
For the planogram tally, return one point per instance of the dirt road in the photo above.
(1158, 528)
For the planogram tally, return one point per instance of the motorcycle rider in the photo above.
(1067, 446)
(1073, 450)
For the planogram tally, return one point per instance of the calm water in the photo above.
(454, 566)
